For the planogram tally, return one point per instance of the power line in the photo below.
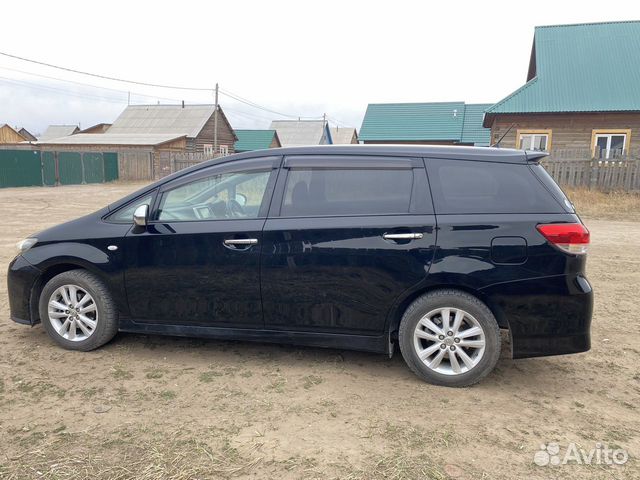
(266, 109)
(154, 85)
(59, 90)
(89, 85)
(105, 77)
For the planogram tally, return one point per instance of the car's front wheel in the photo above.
(77, 311)
(450, 338)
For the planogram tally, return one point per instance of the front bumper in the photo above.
(546, 316)
(21, 278)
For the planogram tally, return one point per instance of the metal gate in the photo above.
(22, 168)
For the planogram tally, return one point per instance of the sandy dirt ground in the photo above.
(160, 407)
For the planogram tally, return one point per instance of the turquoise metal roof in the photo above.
(592, 67)
(443, 121)
(472, 129)
(249, 140)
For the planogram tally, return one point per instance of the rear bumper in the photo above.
(546, 316)
(21, 279)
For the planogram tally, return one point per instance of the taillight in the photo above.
(570, 237)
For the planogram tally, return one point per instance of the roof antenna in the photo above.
(497, 144)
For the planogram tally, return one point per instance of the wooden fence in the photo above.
(595, 174)
(569, 168)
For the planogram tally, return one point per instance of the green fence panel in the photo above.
(48, 168)
(110, 166)
(20, 168)
(70, 168)
(93, 167)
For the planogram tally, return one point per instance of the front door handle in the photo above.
(240, 242)
(402, 236)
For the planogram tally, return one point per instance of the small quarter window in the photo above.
(125, 214)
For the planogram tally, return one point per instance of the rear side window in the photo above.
(358, 191)
(461, 186)
(552, 186)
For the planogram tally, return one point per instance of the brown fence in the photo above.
(135, 166)
(579, 169)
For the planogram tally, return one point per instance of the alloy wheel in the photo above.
(449, 341)
(73, 313)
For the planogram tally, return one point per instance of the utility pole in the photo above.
(128, 98)
(215, 125)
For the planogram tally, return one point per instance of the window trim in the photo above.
(207, 149)
(277, 201)
(539, 131)
(596, 132)
(267, 163)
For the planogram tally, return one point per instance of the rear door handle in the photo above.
(232, 242)
(402, 236)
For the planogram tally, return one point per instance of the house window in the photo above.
(539, 140)
(607, 144)
(207, 148)
(224, 150)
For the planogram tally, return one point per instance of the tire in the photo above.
(419, 337)
(93, 323)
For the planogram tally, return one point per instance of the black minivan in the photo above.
(431, 249)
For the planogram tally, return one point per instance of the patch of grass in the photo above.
(120, 373)
(1, 386)
(168, 395)
(209, 376)
(606, 206)
(169, 455)
(619, 435)
(311, 380)
(277, 385)
(91, 392)
(246, 374)
(38, 389)
(154, 373)
(400, 466)
(59, 429)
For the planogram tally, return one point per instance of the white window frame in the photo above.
(529, 138)
(608, 136)
(224, 150)
(207, 149)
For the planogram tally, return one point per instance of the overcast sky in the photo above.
(295, 57)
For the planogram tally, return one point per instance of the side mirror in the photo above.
(141, 216)
(241, 199)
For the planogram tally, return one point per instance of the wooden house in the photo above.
(582, 92)
(195, 122)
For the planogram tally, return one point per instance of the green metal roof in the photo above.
(593, 67)
(443, 121)
(472, 129)
(249, 140)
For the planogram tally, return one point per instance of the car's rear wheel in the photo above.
(450, 338)
(77, 311)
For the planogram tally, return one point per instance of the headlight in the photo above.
(26, 244)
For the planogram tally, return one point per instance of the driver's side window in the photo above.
(216, 197)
